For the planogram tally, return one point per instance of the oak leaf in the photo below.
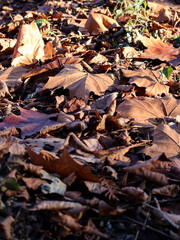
(144, 109)
(79, 83)
(64, 165)
(29, 47)
(97, 23)
(150, 80)
(157, 49)
(30, 122)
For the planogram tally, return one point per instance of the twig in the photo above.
(147, 226)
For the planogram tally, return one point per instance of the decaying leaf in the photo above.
(79, 83)
(6, 226)
(97, 23)
(135, 193)
(152, 169)
(55, 205)
(169, 190)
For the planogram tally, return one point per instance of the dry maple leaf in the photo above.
(166, 140)
(157, 49)
(30, 122)
(29, 47)
(64, 165)
(144, 109)
(79, 83)
(97, 23)
(151, 80)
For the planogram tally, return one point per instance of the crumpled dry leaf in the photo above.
(97, 23)
(135, 193)
(157, 49)
(29, 47)
(150, 80)
(55, 205)
(152, 169)
(169, 190)
(144, 109)
(166, 140)
(56, 186)
(79, 83)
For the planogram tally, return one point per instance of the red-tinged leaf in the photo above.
(30, 122)
(64, 165)
(157, 49)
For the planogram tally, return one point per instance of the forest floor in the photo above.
(89, 120)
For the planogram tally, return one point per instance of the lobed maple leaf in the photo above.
(79, 83)
(144, 109)
(150, 80)
(157, 49)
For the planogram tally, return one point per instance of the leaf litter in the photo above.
(89, 109)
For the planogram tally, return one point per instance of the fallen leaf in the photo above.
(30, 122)
(55, 205)
(150, 80)
(29, 47)
(64, 165)
(169, 190)
(135, 193)
(152, 169)
(97, 23)
(79, 83)
(12, 76)
(6, 226)
(4, 92)
(157, 49)
(144, 108)
(166, 140)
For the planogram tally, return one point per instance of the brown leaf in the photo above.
(90, 228)
(79, 83)
(4, 92)
(150, 80)
(6, 226)
(64, 165)
(157, 49)
(33, 183)
(30, 122)
(55, 205)
(12, 76)
(135, 193)
(29, 47)
(152, 169)
(144, 109)
(166, 140)
(97, 23)
(169, 190)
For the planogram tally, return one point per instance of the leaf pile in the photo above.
(90, 119)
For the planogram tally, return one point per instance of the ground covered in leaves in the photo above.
(89, 119)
